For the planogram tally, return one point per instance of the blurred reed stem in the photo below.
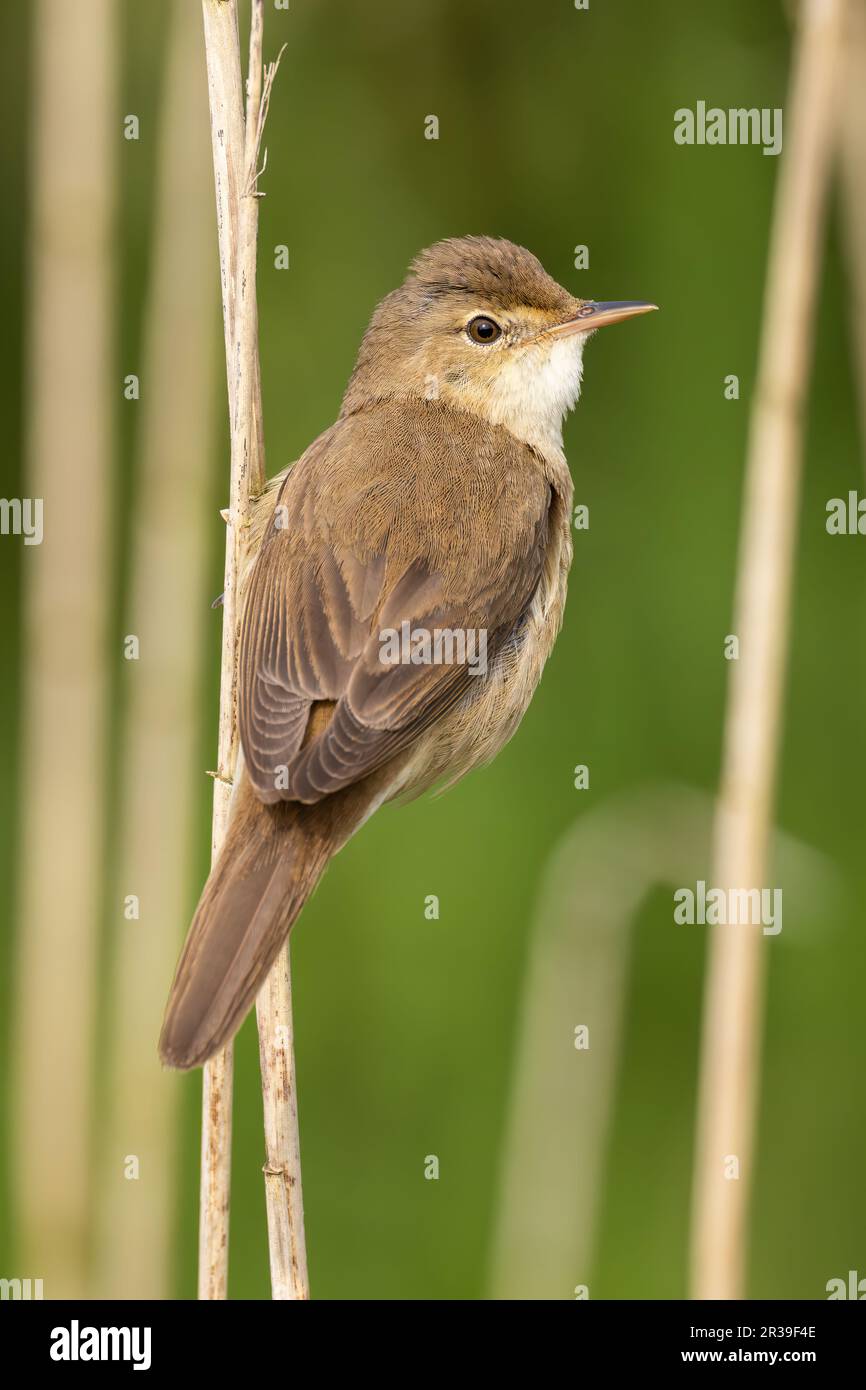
(853, 137)
(562, 1098)
(165, 610)
(734, 998)
(73, 385)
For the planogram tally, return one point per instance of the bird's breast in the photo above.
(490, 713)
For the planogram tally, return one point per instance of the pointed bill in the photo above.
(598, 313)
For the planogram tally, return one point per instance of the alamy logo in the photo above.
(21, 1289)
(846, 517)
(729, 907)
(854, 1288)
(22, 516)
(439, 646)
(713, 125)
(77, 1343)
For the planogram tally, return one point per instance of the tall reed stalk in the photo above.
(236, 141)
(734, 1001)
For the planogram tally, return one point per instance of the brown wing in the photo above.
(407, 514)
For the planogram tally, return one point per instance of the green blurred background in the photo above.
(556, 129)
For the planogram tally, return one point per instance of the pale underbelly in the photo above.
(474, 732)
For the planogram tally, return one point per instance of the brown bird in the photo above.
(438, 503)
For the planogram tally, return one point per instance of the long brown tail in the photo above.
(270, 863)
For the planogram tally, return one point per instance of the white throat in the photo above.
(534, 392)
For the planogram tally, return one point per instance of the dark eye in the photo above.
(483, 330)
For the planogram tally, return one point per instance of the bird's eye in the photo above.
(483, 330)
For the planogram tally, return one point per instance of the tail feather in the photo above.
(270, 863)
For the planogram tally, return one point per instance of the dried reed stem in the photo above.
(237, 150)
(225, 99)
(730, 1059)
(283, 1193)
(73, 390)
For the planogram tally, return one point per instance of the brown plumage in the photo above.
(439, 499)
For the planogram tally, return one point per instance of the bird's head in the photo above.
(479, 325)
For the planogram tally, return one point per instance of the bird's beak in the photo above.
(598, 313)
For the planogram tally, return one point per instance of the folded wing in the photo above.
(392, 520)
